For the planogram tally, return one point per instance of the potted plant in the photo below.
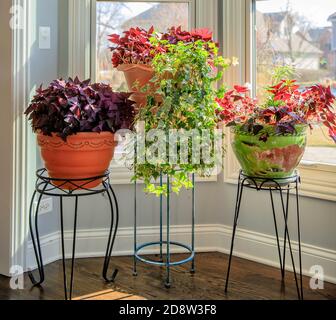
(186, 75)
(75, 124)
(134, 52)
(269, 138)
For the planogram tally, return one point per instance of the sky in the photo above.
(137, 8)
(317, 11)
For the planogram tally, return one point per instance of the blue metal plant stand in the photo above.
(165, 243)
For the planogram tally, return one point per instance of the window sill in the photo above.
(317, 180)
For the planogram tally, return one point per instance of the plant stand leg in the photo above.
(277, 233)
(63, 250)
(285, 242)
(111, 239)
(161, 220)
(167, 283)
(240, 189)
(66, 296)
(285, 215)
(299, 232)
(36, 243)
(135, 231)
(193, 225)
(73, 247)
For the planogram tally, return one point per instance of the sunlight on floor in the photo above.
(110, 295)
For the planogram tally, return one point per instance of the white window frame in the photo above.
(192, 24)
(318, 180)
(82, 48)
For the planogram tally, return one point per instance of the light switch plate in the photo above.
(44, 38)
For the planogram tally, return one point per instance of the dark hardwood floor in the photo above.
(249, 280)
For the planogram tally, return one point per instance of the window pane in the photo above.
(115, 17)
(300, 33)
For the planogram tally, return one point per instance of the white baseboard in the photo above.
(250, 245)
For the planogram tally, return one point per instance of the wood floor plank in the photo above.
(249, 280)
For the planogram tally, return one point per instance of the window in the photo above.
(245, 32)
(117, 16)
(301, 33)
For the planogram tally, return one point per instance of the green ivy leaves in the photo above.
(185, 78)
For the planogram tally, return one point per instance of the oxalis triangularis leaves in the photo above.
(67, 107)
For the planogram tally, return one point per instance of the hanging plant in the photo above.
(185, 76)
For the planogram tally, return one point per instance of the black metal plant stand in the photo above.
(273, 185)
(46, 186)
(167, 243)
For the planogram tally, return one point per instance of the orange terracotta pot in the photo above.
(84, 155)
(140, 99)
(136, 75)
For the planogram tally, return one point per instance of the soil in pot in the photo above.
(84, 155)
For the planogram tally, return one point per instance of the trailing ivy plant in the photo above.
(185, 78)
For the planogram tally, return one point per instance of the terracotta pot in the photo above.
(140, 99)
(136, 75)
(84, 155)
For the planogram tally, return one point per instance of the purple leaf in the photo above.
(68, 107)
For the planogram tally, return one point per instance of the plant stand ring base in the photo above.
(161, 262)
(167, 263)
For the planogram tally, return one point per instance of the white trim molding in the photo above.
(19, 146)
(21, 137)
(79, 38)
(249, 245)
(6, 135)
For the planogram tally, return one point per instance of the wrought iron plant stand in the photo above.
(48, 186)
(273, 185)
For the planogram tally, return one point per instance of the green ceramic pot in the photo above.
(276, 158)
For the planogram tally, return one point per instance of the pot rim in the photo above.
(302, 131)
(81, 135)
(131, 66)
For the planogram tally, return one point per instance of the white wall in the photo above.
(43, 68)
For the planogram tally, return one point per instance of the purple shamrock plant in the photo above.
(67, 107)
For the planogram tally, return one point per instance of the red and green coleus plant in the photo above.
(67, 107)
(140, 46)
(134, 47)
(176, 34)
(286, 106)
(269, 138)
